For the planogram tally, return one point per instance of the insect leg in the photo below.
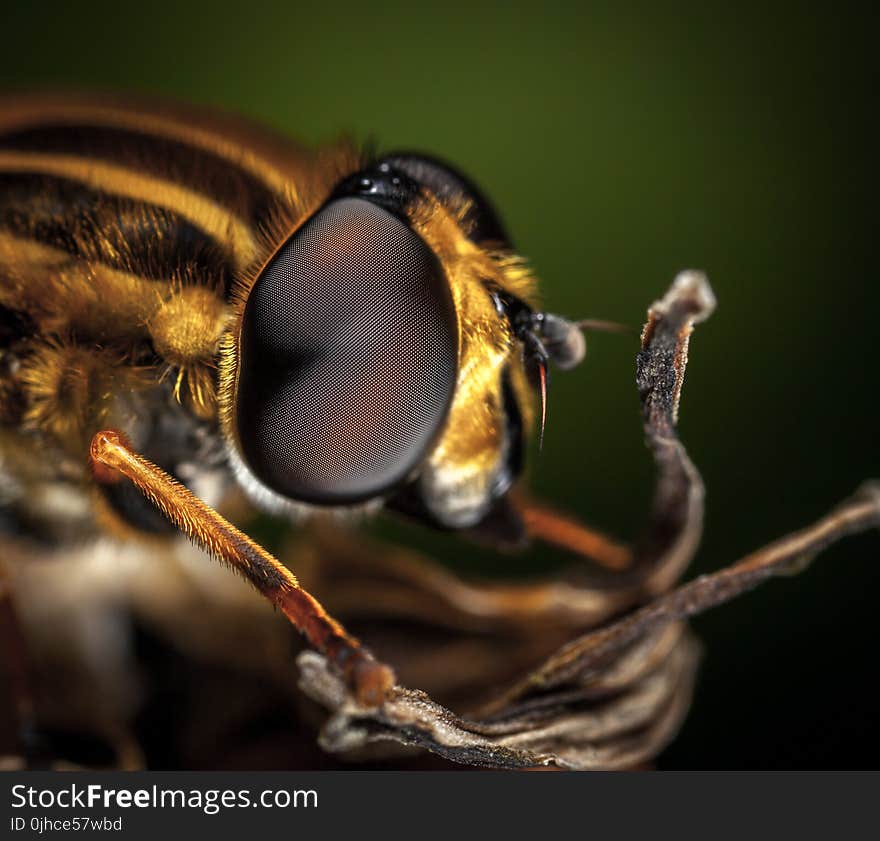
(113, 459)
(375, 579)
(558, 529)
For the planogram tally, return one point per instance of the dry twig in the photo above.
(612, 697)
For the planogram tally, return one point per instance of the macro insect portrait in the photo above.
(247, 383)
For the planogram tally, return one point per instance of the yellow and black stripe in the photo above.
(123, 229)
(130, 235)
(137, 190)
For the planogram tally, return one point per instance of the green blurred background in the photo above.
(620, 144)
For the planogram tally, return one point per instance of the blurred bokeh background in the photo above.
(620, 144)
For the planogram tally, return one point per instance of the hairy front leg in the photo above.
(113, 460)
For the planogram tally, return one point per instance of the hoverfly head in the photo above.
(385, 350)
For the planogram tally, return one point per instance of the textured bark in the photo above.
(610, 697)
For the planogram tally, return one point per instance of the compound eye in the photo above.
(348, 356)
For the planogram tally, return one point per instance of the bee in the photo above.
(184, 296)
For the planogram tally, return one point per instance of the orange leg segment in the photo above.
(113, 459)
(543, 523)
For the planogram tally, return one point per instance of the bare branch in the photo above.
(584, 656)
(612, 697)
(676, 520)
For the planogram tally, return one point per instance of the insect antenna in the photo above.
(601, 326)
(549, 337)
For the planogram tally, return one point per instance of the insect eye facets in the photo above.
(348, 357)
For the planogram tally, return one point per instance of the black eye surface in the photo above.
(446, 182)
(348, 357)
